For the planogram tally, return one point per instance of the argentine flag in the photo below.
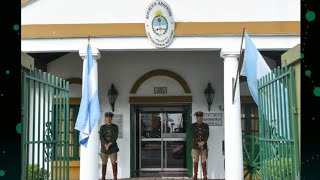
(254, 67)
(89, 112)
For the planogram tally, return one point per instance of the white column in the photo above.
(89, 157)
(232, 119)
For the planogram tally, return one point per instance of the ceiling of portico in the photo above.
(43, 59)
(275, 55)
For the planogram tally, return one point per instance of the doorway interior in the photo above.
(160, 140)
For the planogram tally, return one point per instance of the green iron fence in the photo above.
(250, 141)
(279, 149)
(45, 122)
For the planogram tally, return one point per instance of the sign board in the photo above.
(159, 23)
(118, 120)
(160, 90)
(213, 119)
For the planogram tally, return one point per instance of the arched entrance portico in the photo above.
(160, 127)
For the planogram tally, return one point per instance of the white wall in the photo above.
(109, 11)
(124, 68)
(173, 87)
(262, 42)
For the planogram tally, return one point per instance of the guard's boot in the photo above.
(204, 170)
(104, 170)
(115, 170)
(195, 171)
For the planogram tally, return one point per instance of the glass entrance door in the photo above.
(162, 145)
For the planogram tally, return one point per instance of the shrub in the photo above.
(43, 173)
(277, 168)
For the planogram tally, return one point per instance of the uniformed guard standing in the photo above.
(109, 148)
(200, 135)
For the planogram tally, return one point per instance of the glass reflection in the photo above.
(150, 125)
(176, 154)
(151, 155)
(162, 140)
(174, 123)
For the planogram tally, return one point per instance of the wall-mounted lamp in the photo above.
(112, 94)
(209, 93)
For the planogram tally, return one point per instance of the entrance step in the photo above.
(175, 178)
(158, 178)
(164, 175)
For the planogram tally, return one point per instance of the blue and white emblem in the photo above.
(159, 24)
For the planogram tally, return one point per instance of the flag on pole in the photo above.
(254, 67)
(234, 82)
(89, 112)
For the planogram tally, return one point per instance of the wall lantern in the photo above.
(112, 94)
(209, 93)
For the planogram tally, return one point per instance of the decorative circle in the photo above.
(159, 23)
(18, 128)
(251, 154)
(16, 27)
(308, 73)
(316, 91)
(7, 72)
(301, 55)
(310, 16)
(2, 173)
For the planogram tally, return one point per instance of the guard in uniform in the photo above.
(200, 135)
(109, 148)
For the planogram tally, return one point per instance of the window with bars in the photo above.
(249, 119)
(74, 134)
(59, 128)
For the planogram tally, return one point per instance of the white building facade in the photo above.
(205, 49)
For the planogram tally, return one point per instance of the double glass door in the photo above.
(162, 145)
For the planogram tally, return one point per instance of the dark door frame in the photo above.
(133, 108)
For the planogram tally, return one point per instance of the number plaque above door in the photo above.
(160, 90)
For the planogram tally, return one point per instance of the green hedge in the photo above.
(43, 173)
(277, 169)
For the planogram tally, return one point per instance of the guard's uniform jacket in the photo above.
(200, 132)
(109, 133)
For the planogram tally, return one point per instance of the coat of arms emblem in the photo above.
(159, 24)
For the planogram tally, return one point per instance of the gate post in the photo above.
(292, 58)
(232, 126)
